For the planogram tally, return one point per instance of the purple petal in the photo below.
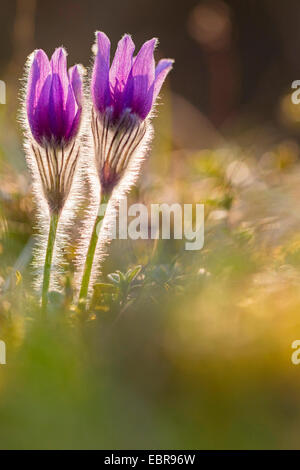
(143, 74)
(75, 78)
(70, 111)
(59, 67)
(41, 127)
(100, 78)
(75, 126)
(120, 76)
(74, 102)
(62, 102)
(39, 71)
(56, 108)
(122, 64)
(163, 68)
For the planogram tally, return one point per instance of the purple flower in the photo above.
(123, 95)
(131, 83)
(54, 109)
(53, 100)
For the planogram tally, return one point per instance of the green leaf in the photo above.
(114, 277)
(104, 288)
(133, 273)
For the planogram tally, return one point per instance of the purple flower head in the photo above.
(130, 83)
(54, 99)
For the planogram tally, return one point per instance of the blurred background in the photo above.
(195, 350)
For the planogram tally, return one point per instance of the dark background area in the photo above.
(232, 57)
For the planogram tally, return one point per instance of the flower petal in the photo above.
(74, 102)
(100, 78)
(163, 68)
(59, 67)
(120, 74)
(75, 77)
(70, 111)
(122, 63)
(39, 71)
(62, 101)
(56, 108)
(41, 127)
(75, 126)
(143, 74)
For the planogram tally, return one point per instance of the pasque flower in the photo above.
(123, 95)
(53, 116)
(54, 97)
(131, 83)
(54, 109)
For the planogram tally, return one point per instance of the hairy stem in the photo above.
(92, 249)
(48, 261)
